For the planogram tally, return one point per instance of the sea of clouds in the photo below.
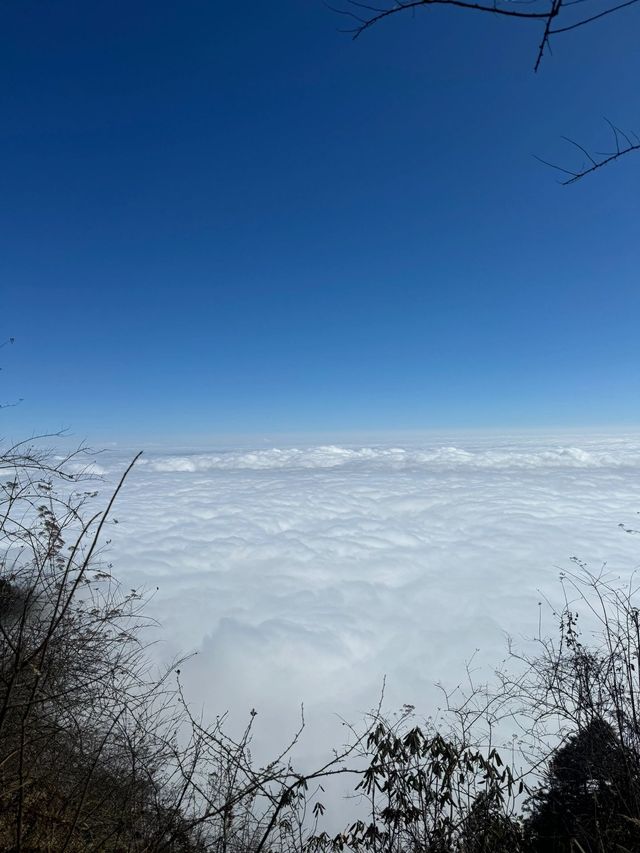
(309, 573)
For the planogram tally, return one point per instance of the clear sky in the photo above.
(222, 217)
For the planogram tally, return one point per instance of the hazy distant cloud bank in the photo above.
(332, 456)
(308, 573)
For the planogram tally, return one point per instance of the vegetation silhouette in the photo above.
(553, 18)
(588, 799)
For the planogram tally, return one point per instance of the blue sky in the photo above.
(230, 217)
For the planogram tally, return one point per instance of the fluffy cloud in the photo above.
(309, 573)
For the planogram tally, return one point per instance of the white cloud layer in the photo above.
(309, 573)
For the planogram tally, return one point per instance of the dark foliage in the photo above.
(589, 796)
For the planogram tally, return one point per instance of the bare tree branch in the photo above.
(601, 159)
(548, 12)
